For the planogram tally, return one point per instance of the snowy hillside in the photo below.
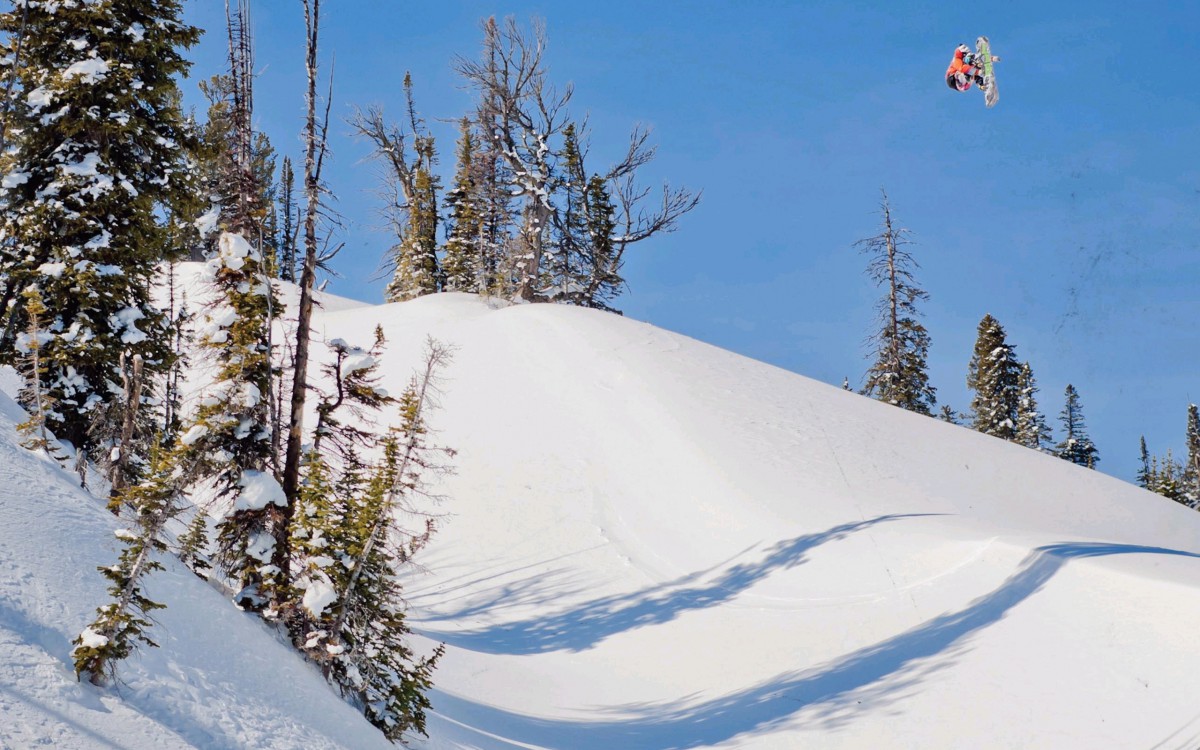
(652, 543)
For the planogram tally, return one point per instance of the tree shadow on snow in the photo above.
(583, 626)
(830, 694)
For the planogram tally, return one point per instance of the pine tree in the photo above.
(350, 619)
(1143, 475)
(122, 624)
(464, 263)
(1076, 446)
(97, 146)
(1166, 478)
(1191, 471)
(229, 440)
(33, 396)
(564, 265)
(1032, 431)
(948, 414)
(289, 221)
(899, 374)
(993, 374)
(417, 269)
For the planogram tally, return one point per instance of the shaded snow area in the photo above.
(651, 543)
(220, 680)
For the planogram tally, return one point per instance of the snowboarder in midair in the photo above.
(963, 70)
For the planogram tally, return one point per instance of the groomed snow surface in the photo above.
(652, 543)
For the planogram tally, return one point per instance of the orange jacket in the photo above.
(958, 66)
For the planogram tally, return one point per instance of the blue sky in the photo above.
(1070, 212)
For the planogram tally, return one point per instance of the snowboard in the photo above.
(983, 50)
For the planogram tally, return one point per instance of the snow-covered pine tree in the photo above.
(1076, 446)
(230, 177)
(899, 374)
(1166, 478)
(417, 269)
(463, 262)
(1191, 469)
(348, 543)
(1032, 431)
(521, 114)
(490, 177)
(97, 142)
(122, 624)
(993, 374)
(364, 621)
(229, 440)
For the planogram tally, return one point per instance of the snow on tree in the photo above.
(33, 396)
(411, 189)
(229, 440)
(97, 147)
(121, 624)
(349, 543)
(1166, 478)
(899, 375)
(464, 260)
(994, 374)
(1076, 446)
(1032, 431)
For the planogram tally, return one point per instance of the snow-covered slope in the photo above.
(220, 679)
(653, 543)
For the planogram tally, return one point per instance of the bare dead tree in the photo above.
(241, 79)
(315, 143)
(520, 113)
(131, 374)
(636, 219)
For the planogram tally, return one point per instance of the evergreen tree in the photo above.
(288, 213)
(899, 374)
(417, 269)
(1032, 431)
(464, 263)
(1166, 478)
(350, 619)
(229, 440)
(1076, 447)
(237, 172)
(122, 624)
(564, 264)
(97, 148)
(1191, 471)
(948, 414)
(33, 396)
(603, 281)
(1143, 475)
(993, 374)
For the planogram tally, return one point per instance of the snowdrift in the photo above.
(652, 543)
